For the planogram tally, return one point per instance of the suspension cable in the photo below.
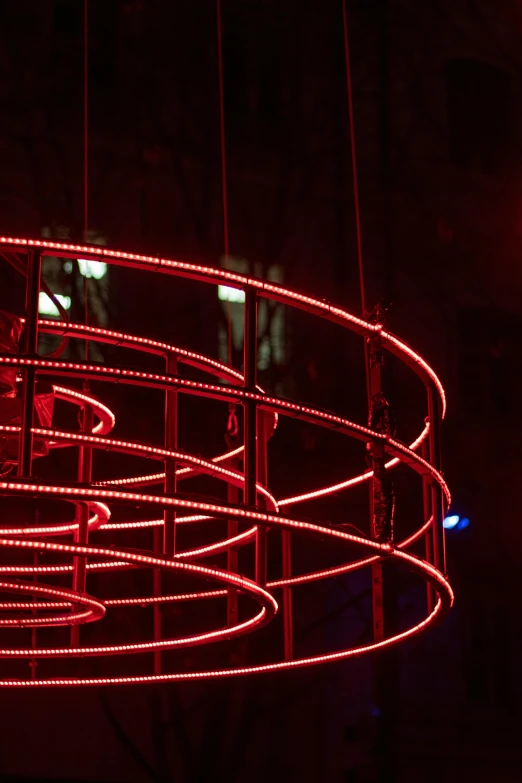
(223, 167)
(86, 157)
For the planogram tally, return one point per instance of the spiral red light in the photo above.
(56, 605)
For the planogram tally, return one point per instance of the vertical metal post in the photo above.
(377, 602)
(81, 535)
(232, 553)
(437, 495)
(171, 442)
(156, 589)
(288, 623)
(25, 448)
(377, 455)
(262, 478)
(33, 663)
(166, 544)
(250, 426)
(30, 347)
(428, 536)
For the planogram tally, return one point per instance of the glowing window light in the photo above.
(95, 269)
(46, 306)
(228, 294)
(452, 521)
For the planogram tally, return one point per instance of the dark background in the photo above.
(437, 99)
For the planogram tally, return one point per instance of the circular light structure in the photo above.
(70, 551)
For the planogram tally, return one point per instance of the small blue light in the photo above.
(463, 523)
(452, 521)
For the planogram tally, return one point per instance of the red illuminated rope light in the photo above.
(101, 516)
(263, 288)
(268, 604)
(92, 609)
(106, 416)
(411, 539)
(150, 346)
(68, 618)
(131, 341)
(204, 466)
(96, 522)
(29, 606)
(165, 599)
(243, 537)
(342, 485)
(220, 510)
(328, 573)
(204, 551)
(399, 348)
(157, 478)
(217, 510)
(295, 581)
(314, 576)
(14, 570)
(202, 362)
(148, 523)
(212, 549)
(221, 673)
(112, 494)
(222, 546)
(135, 377)
(141, 602)
(134, 342)
(302, 412)
(119, 559)
(229, 632)
(415, 564)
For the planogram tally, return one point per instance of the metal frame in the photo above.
(257, 508)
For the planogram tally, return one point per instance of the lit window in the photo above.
(228, 294)
(95, 269)
(46, 306)
(270, 317)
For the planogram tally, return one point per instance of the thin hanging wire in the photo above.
(223, 166)
(86, 157)
(354, 162)
(358, 229)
